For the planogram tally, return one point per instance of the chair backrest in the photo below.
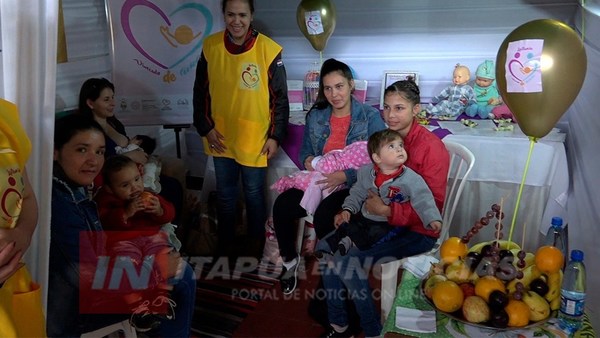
(462, 161)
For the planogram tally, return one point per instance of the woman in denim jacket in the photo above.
(336, 120)
(77, 239)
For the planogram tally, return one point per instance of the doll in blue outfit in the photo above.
(486, 92)
(454, 99)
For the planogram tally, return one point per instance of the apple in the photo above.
(147, 198)
(468, 289)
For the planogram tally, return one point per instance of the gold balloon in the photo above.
(318, 26)
(563, 67)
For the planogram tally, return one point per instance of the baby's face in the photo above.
(483, 82)
(392, 154)
(136, 140)
(460, 76)
(127, 183)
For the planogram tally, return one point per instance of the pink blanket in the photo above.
(353, 156)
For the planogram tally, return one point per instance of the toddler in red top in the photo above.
(133, 219)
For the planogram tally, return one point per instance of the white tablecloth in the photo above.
(496, 178)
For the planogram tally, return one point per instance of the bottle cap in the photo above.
(557, 221)
(577, 255)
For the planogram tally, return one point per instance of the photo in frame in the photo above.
(391, 76)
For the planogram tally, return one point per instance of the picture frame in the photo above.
(391, 76)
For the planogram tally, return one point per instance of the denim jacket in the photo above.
(365, 120)
(73, 213)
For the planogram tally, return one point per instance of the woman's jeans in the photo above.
(348, 277)
(184, 294)
(227, 173)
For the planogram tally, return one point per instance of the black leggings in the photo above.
(287, 210)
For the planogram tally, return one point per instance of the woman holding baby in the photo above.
(337, 119)
(96, 100)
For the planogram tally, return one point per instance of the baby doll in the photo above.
(151, 169)
(453, 100)
(353, 156)
(486, 92)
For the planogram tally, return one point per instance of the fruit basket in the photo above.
(457, 315)
(494, 284)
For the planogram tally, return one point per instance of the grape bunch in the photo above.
(518, 294)
(494, 212)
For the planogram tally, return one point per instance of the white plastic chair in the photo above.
(301, 227)
(124, 326)
(461, 164)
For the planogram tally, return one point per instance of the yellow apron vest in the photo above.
(239, 91)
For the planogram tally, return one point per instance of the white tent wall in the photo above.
(430, 37)
(584, 163)
(427, 36)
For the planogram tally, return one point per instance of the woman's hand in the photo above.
(215, 141)
(270, 148)
(137, 156)
(375, 206)
(9, 260)
(332, 180)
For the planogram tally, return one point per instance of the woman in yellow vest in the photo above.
(241, 110)
(20, 299)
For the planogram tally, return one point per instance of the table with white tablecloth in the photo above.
(499, 169)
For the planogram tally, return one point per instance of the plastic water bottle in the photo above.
(572, 294)
(557, 236)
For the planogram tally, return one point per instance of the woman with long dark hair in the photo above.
(336, 120)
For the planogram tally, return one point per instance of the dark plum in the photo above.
(539, 286)
(499, 319)
(486, 251)
(472, 260)
(498, 300)
(504, 252)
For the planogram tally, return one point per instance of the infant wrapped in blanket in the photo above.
(353, 156)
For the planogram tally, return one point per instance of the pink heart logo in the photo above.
(523, 73)
(125, 24)
(514, 67)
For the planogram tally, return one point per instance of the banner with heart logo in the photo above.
(156, 46)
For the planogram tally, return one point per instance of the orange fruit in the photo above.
(518, 313)
(452, 249)
(486, 285)
(447, 296)
(549, 259)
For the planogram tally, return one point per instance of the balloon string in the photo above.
(321, 57)
(532, 142)
(582, 20)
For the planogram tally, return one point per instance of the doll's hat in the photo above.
(486, 70)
